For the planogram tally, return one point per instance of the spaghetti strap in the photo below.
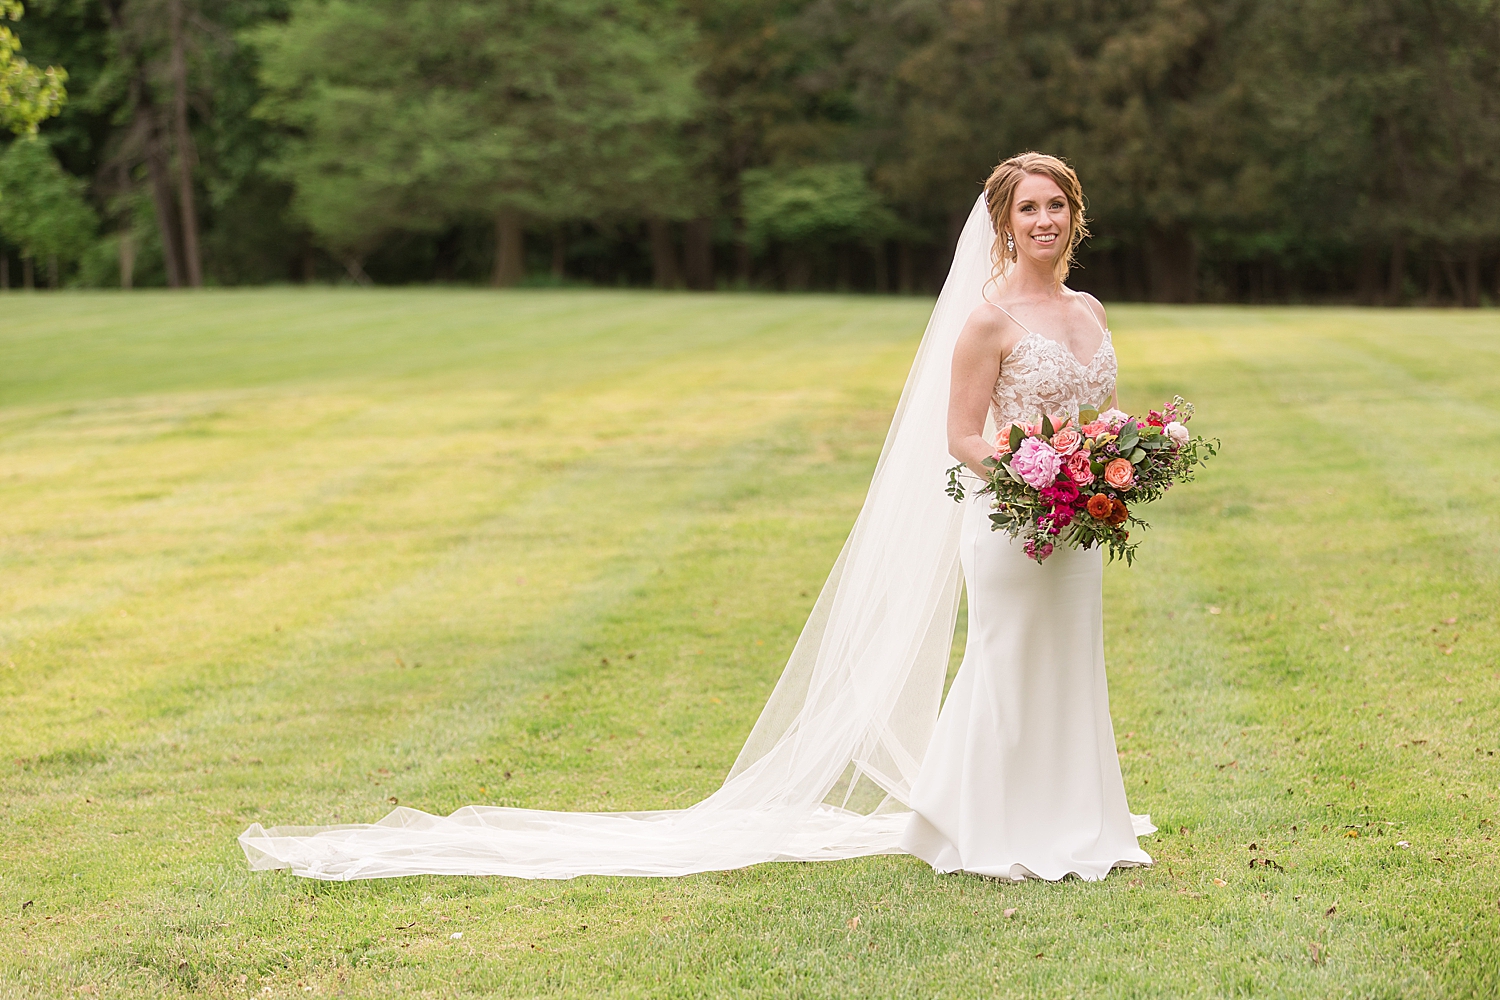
(1012, 318)
(1102, 328)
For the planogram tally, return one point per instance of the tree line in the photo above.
(1232, 150)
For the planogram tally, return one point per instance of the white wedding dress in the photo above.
(1019, 778)
(1022, 777)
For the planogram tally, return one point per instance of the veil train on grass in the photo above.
(827, 770)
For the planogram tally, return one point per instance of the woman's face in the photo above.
(1039, 218)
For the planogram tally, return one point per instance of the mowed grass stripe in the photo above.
(671, 476)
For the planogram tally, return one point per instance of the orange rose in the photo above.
(1099, 506)
(1118, 512)
(1066, 441)
(1120, 474)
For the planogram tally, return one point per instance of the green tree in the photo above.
(808, 210)
(42, 208)
(405, 115)
(28, 95)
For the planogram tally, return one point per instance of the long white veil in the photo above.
(828, 768)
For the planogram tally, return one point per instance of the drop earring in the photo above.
(1010, 243)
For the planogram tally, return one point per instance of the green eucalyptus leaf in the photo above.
(1015, 437)
(1047, 429)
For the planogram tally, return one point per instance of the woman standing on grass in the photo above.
(1022, 777)
(1018, 777)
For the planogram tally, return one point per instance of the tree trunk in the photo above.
(186, 152)
(1396, 284)
(843, 269)
(510, 249)
(4, 271)
(698, 254)
(744, 266)
(28, 274)
(956, 221)
(1455, 284)
(1172, 259)
(127, 259)
(559, 254)
(52, 281)
(798, 266)
(664, 269)
(161, 201)
(309, 266)
(356, 269)
(1368, 282)
(1471, 278)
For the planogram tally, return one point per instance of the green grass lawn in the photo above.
(292, 556)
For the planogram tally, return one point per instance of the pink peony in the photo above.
(1096, 428)
(1177, 433)
(1114, 419)
(1066, 441)
(1036, 463)
(1077, 467)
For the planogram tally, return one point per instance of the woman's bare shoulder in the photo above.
(1094, 306)
(992, 325)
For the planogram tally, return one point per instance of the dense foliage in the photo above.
(1242, 150)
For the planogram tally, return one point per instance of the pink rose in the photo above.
(1076, 466)
(1036, 463)
(1177, 433)
(1120, 474)
(1094, 429)
(1066, 441)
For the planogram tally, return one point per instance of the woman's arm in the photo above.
(976, 367)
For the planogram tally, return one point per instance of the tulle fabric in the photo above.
(827, 771)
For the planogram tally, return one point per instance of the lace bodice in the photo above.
(1042, 376)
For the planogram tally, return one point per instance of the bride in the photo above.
(1017, 775)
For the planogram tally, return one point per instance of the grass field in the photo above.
(291, 556)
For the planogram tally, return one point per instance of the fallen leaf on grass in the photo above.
(1135, 883)
(1010, 912)
(1403, 843)
(1331, 910)
(1450, 621)
(394, 801)
(456, 935)
(1220, 882)
(1316, 951)
(1351, 833)
(852, 923)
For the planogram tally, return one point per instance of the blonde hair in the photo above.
(1000, 195)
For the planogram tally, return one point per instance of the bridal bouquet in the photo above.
(1079, 480)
